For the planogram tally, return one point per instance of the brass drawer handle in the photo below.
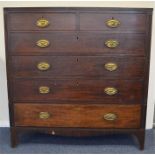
(44, 115)
(42, 43)
(42, 22)
(113, 23)
(110, 66)
(111, 43)
(110, 91)
(43, 66)
(110, 117)
(44, 90)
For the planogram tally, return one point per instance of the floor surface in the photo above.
(47, 144)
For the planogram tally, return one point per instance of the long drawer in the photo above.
(42, 21)
(78, 66)
(77, 115)
(74, 43)
(103, 91)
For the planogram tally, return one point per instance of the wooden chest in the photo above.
(78, 71)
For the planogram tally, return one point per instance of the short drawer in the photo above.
(99, 90)
(78, 66)
(73, 43)
(42, 21)
(78, 115)
(113, 21)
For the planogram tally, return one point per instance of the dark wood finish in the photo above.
(82, 90)
(128, 22)
(79, 66)
(14, 137)
(67, 43)
(87, 116)
(57, 21)
(77, 54)
(81, 132)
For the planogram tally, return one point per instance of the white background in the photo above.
(4, 114)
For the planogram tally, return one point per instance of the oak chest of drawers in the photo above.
(78, 71)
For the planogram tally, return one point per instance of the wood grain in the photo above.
(97, 21)
(67, 115)
(79, 66)
(79, 90)
(57, 21)
(73, 43)
(77, 78)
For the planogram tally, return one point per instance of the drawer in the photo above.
(75, 66)
(78, 115)
(42, 21)
(73, 43)
(113, 22)
(103, 91)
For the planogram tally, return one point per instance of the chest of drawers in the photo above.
(78, 71)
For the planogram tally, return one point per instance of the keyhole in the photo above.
(77, 83)
(77, 38)
(77, 59)
(53, 132)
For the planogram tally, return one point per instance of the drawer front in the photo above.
(124, 22)
(86, 116)
(42, 21)
(75, 66)
(103, 91)
(74, 44)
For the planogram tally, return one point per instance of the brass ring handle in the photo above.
(43, 66)
(110, 117)
(112, 43)
(110, 90)
(42, 43)
(44, 115)
(113, 23)
(110, 66)
(44, 90)
(42, 22)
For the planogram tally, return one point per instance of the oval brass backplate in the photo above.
(44, 90)
(42, 43)
(113, 23)
(42, 22)
(44, 115)
(43, 66)
(111, 43)
(110, 117)
(110, 66)
(110, 90)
